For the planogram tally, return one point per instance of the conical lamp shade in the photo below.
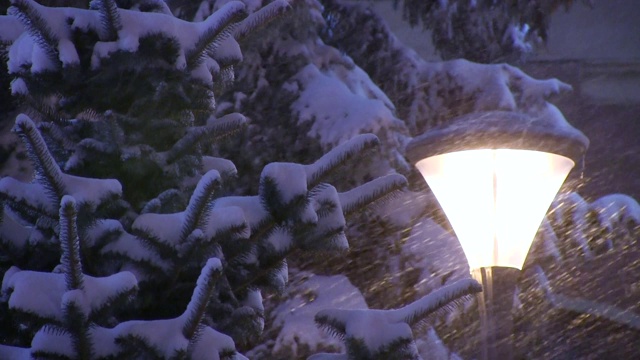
(495, 199)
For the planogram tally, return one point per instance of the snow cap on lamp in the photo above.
(495, 175)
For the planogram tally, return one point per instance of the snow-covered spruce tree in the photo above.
(304, 97)
(112, 235)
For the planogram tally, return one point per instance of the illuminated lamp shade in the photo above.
(495, 175)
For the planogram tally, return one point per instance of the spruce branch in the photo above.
(47, 171)
(154, 243)
(53, 133)
(339, 156)
(200, 204)
(374, 191)
(335, 327)
(137, 346)
(225, 126)
(434, 301)
(261, 18)
(70, 244)
(36, 26)
(77, 324)
(223, 22)
(200, 299)
(109, 17)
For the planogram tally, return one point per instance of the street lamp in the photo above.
(495, 175)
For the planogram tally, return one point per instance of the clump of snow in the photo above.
(290, 179)
(78, 299)
(43, 293)
(254, 213)
(223, 166)
(165, 227)
(306, 295)
(224, 218)
(379, 328)
(32, 194)
(35, 292)
(68, 54)
(90, 191)
(280, 240)
(165, 335)
(15, 353)
(19, 87)
(10, 29)
(614, 208)
(52, 341)
(340, 104)
(125, 245)
(211, 343)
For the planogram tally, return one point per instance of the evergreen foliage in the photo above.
(120, 131)
(396, 342)
(135, 241)
(484, 31)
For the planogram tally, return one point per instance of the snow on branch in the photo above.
(338, 156)
(180, 337)
(376, 332)
(40, 294)
(255, 214)
(220, 27)
(52, 342)
(283, 190)
(374, 191)
(201, 294)
(225, 167)
(214, 130)
(260, 18)
(214, 345)
(616, 209)
(328, 234)
(436, 300)
(10, 29)
(110, 18)
(36, 26)
(46, 167)
(199, 207)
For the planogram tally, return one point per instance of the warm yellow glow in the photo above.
(495, 200)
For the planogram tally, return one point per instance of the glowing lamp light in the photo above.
(495, 175)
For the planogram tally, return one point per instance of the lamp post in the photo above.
(495, 175)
